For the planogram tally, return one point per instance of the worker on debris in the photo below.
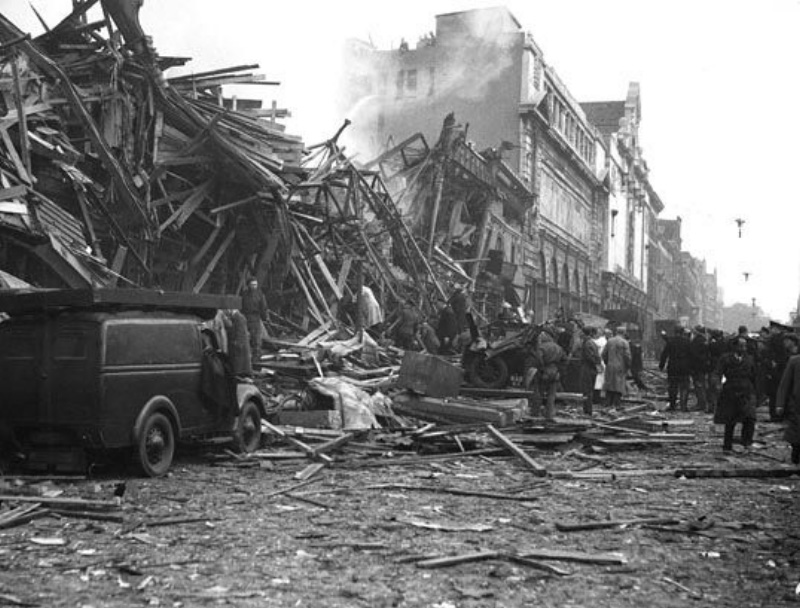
(427, 337)
(675, 357)
(699, 363)
(617, 357)
(254, 309)
(405, 331)
(447, 329)
(460, 303)
(370, 311)
(788, 397)
(591, 363)
(737, 400)
(543, 373)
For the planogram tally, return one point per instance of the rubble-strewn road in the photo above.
(742, 547)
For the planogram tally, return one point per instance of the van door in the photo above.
(21, 344)
(146, 358)
(49, 393)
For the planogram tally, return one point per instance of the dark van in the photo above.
(118, 369)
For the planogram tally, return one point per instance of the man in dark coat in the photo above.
(675, 357)
(590, 364)
(545, 364)
(737, 400)
(716, 348)
(775, 363)
(637, 364)
(788, 400)
(254, 309)
(446, 330)
(460, 305)
(405, 332)
(699, 361)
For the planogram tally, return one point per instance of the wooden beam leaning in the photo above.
(512, 447)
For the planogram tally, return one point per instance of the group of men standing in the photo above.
(608, 358)
(732, 376)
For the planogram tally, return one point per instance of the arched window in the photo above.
(565, 275)
(576, 281)
(585, 286)
(554, 264)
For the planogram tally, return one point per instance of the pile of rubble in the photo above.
(112, 174)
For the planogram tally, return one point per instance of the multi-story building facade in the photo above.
(598, 245)
(633, 206)
(483, 66)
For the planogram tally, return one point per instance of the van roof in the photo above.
(26, 301)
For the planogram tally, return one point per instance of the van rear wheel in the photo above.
(156, 446)
(247, 436)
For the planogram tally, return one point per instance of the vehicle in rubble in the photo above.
(492, 364)
(118, 371)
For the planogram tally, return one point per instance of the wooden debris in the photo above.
(603, 525)
(537, 468)
(603, 559)
(445, 562)
(696, 473)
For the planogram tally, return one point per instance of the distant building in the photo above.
(481, 65)
(633, 207)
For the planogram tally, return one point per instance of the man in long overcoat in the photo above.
(676, 358)
(737, 402)
(617, 356)
(788, 401)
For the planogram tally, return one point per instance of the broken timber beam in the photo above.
(537, 468)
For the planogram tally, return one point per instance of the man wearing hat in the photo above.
(699, 362)
(775, 363)
(788, 398)
(676, 358)
(254, 309)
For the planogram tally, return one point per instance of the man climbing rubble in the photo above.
(254, 309)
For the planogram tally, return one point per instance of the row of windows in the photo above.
(407, 83)
(563, 119)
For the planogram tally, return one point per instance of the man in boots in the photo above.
(675, 357)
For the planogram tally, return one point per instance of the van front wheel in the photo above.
(247, 436)
(156, 446)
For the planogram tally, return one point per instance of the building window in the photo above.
(432, 79)
(399, 82)
(411, 83)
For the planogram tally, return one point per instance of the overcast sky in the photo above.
(719, 86)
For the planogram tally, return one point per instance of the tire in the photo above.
(247, 435)
(155, 447)
(488, 373)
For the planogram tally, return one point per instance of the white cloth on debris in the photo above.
(354, 404)
(371, 309)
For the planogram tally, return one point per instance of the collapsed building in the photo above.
(113, 174)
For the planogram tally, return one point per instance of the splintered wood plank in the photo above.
(312, 307)
(12, 153)
(344, 272)
(213, 263)
(517, 451)
(189, 206)
(603, 559)
(328, 276)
